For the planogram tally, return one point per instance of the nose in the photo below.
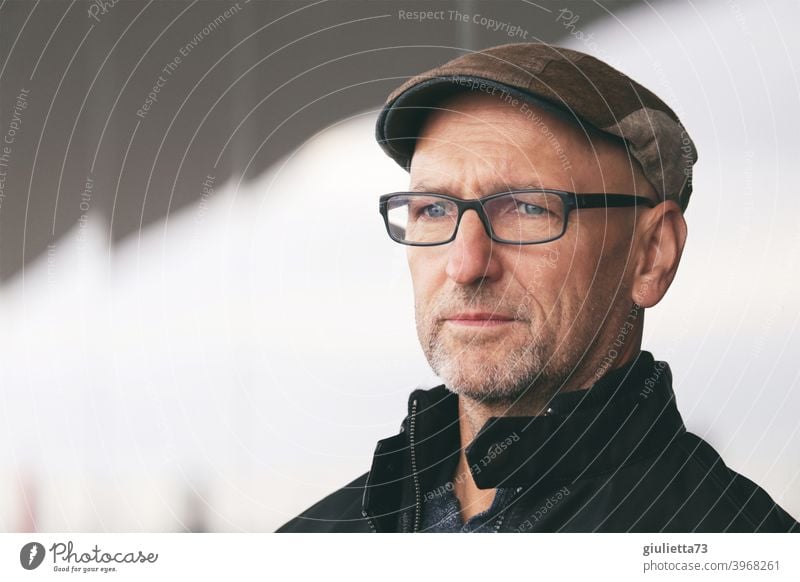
(472, 256)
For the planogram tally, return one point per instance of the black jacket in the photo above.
(613, 458)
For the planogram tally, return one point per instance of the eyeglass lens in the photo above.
(516, 216)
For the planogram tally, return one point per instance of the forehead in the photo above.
(473, 136)
(496, 145)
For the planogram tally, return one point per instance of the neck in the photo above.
(473, 414)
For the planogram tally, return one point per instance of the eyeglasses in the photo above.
(521, 217)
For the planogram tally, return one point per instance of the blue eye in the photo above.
(531, 209)
(436, 211)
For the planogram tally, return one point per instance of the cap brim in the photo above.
(400, 121)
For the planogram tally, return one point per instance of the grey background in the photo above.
(285, 68)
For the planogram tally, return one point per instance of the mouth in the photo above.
(480, 319)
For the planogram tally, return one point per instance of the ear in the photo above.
(660, 234)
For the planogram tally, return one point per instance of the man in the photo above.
(544, 214)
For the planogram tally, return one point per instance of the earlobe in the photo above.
(661, 241)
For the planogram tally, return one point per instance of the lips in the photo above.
(481, 319)
(479, 316)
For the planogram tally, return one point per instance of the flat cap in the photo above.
(585, 88)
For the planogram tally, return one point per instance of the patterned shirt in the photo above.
(442, 513)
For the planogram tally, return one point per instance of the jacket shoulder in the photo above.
(338, 512)
(733, 502)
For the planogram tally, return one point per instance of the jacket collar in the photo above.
(629, 413)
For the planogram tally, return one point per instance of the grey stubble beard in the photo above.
(501, 376)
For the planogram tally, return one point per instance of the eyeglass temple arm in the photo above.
(603, 200)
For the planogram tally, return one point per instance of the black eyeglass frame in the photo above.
(570, 200)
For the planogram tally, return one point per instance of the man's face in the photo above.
(565, 299)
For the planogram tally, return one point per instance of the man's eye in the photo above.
(530, 209)
(432, 211)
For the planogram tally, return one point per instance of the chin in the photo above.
(490, 384)
(504, 395)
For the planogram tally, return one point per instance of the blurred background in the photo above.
(203, 325)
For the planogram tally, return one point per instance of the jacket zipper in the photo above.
(370, 522)
(417, 492)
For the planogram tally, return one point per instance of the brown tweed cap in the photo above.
(585, 88)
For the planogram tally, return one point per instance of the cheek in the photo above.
(555, 262)
(426, 272)
(543, 271)
(540, 273)
(560, 272)
(598, 254)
